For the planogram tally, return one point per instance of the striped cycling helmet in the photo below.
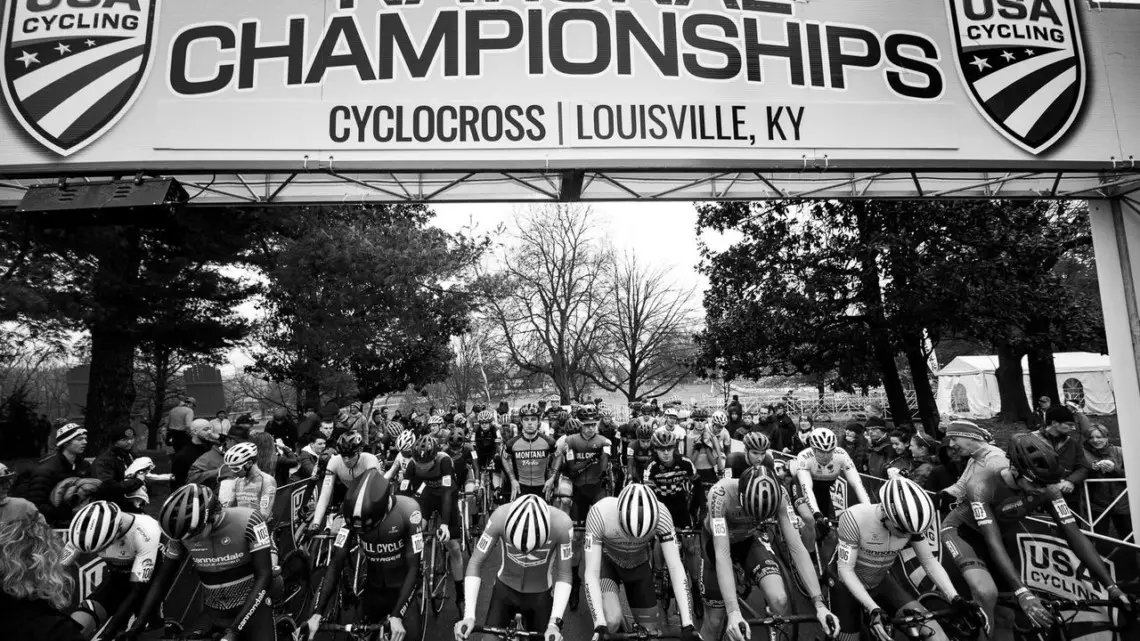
(756, 441)
(405, 442)
(528, 523)
(188, 511)
(240, 454)
(95, 526)
(486, 416)
(907, 505)
(664, 438)
(760, 494)
(822, 439)
(394, 429)
(435, 421)
(366, 502)
(638, 511)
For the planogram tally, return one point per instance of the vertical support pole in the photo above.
(1116, 240)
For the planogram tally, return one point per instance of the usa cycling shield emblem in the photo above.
(72, 68)
(1023, 65)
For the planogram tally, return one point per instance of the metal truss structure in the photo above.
(327, 184)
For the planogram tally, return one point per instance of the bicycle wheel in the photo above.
(465, 525)
(427, 572)
(440, 580)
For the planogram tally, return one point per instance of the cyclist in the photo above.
(639, 453)
(249, 486)
(437, 428)
(816, 469)
(536, 548)
(466, 463)
(618, 533)
(405, 443)
(871, 536)
(672, 476)
(527, 457)
(673, 422)
(392, 432)
(737, 508)
(486, 438)
(430, 479)
(230, 548)
(388, 529)
(348, 464)
(998, 500)
(129, 545)
(756, 454)
(707, 447)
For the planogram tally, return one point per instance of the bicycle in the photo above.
(434, 574)
(515, 630)
(777, 625)
(1066, 612)
(913, 622)
(664, 582)
(639, 633)
(357, 632)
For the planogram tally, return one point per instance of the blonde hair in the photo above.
(1097, 427)
(30, 567)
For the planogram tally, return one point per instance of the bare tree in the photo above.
(646, 327)
(548, 298)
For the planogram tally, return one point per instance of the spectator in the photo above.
(178, 422)
(735, 404)
(209, 469)
(221, 423)
(879, 451)
(12, 508)
(1037, 419)
(1060, 425)
(1107, 462)
(273, 459)
(923, 459)
(874, 417)
(282, 427)
(970, 443)
(201, 439)
(736, 420)
(71, 442)
(111, 464)
(35, 588)
(783, 422)
(309, 423)
(900, 462)
(946, 472)
(311, 454)
(855, 444)
(798, 441)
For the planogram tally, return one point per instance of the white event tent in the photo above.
(968, 386)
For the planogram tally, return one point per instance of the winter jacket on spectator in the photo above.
(183, 460)
(284, 429)
(111, 467)
(786, 427)
(856, 445)
(878, 455)
(1071, 456)
(45, 477)
(901, 462)
(798, 442)
(209, 469)
(921, 470)
(308, 460)
(946, 471)
(36, 619)
(1101, 495)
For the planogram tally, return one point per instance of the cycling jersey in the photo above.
(638, 455)
(840, 462)
(726, 517)
(530, 458)
(529, 573)
(603, 528)
(347, 474)
(463, 460)
(255, 491)
(385, 546)
(867, 545)
(672, 481)
(435, 478)
(706, 449)
(738, 463)
(224, 557)
(584, 459)
(396, 469)
(485, 440)
(135, 552)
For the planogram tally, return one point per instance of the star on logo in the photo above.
(1008, 56)
(28, 58)
(980, 63)
(89, 42)
(1029, 52)
(62, 48)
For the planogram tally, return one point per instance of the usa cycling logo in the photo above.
(1023, 65)
(72, 68)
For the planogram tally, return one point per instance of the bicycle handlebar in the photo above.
(507, 633)
(785, 620)
(352, 627)
(911, 617)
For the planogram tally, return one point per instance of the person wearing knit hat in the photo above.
(1060, 431)
(67, 462)
(111, 464)
(968, 441)
(68, 433)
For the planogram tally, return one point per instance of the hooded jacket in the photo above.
(45, 477)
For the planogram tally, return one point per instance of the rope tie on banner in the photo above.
(331, 165)
(305, 163)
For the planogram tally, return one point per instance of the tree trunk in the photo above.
(1011, 386)
(871, 295)
(111, 394)
(161, 375)
(920, 377)
(1042, 370)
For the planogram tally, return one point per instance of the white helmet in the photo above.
(638, 511)
(528, 523)
(406, 441)
(907, 505)
(95, 526)
(719, 418)
(240, 454)
(670, 412)
(822, 439)
(141, 464)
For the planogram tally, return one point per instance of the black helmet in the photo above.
(1030, 455)
(366, 502)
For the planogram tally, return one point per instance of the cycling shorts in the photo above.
(534, 607)
(583, 498)
(432, 503)
(678, 507)
(259, 627)
(822, 492)
(758, 559)
(892, 592)
(968, 550)
(638, 582)
(105, 600)
(537, 490)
